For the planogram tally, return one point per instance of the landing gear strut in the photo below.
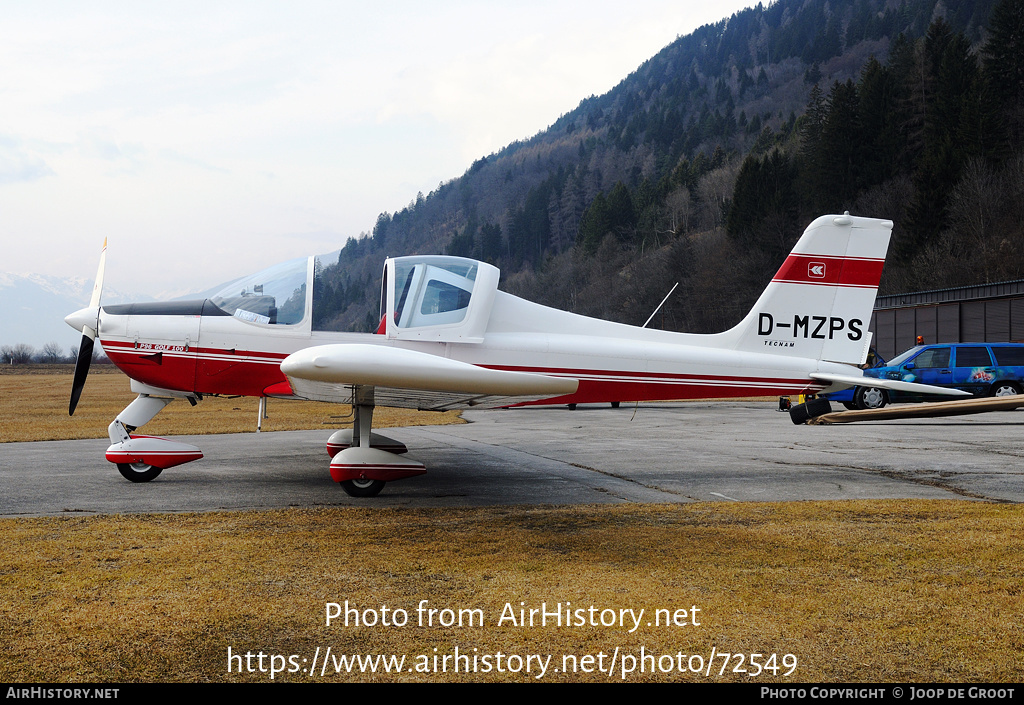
(142, 458)
(363, 468)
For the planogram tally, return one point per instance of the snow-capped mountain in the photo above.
(34, 307)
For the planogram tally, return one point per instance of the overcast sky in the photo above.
(207, 140)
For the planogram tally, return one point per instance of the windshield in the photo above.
(275, 296)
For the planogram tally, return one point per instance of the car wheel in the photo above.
(870, 398)
(1005, 389)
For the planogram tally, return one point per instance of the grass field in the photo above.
(904, 591)
(855, 591)
(35, 408)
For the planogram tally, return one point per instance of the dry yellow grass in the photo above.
(857, 591)
(34, 407)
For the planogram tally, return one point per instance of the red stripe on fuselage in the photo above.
(253, 372)
(202, 370)
(599, 386)
(830, 271)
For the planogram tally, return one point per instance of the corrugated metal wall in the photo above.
(990, 314)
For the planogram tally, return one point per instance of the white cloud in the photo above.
(208, 140)
(20, 163)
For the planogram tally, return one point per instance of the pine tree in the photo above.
(951, 77)
(879, 144)
(1003, 55)
(839, 163)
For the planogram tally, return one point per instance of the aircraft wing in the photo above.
(412, 379)
(894, 384)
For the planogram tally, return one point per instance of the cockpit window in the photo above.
(275, 296)
(442, 297)
(432, 290)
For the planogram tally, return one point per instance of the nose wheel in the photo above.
(142, 458)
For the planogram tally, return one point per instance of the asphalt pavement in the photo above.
(685, 452)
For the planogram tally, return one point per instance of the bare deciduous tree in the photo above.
(51, 353)
(19, 354)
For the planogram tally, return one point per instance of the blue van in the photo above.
(983, 369)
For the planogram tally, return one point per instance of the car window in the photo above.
(904, 356)
(934, 357)
(1009, 357)
(972, 357)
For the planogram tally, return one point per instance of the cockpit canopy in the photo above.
(438, 298)
(424, 297)
(274, 296)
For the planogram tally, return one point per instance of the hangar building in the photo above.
(968, 314)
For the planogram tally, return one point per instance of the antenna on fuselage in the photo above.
(661, 304)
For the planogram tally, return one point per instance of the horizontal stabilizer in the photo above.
(894, 384)
(384, 366)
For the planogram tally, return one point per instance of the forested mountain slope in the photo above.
(703, 166)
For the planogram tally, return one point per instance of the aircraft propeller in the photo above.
(88, 321)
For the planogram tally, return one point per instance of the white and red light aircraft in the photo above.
(449, 339)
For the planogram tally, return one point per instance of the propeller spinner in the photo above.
(86, 320)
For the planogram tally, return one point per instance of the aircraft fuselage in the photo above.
(184, 350)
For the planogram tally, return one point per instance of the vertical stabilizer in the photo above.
(819, 303)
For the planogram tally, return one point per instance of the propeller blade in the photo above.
(88, 336)
(81, 371)
(97, 287)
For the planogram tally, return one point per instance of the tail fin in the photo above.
(819, 303)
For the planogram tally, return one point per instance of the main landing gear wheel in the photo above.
(139, 472)
(870, 398)
(362, 488)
